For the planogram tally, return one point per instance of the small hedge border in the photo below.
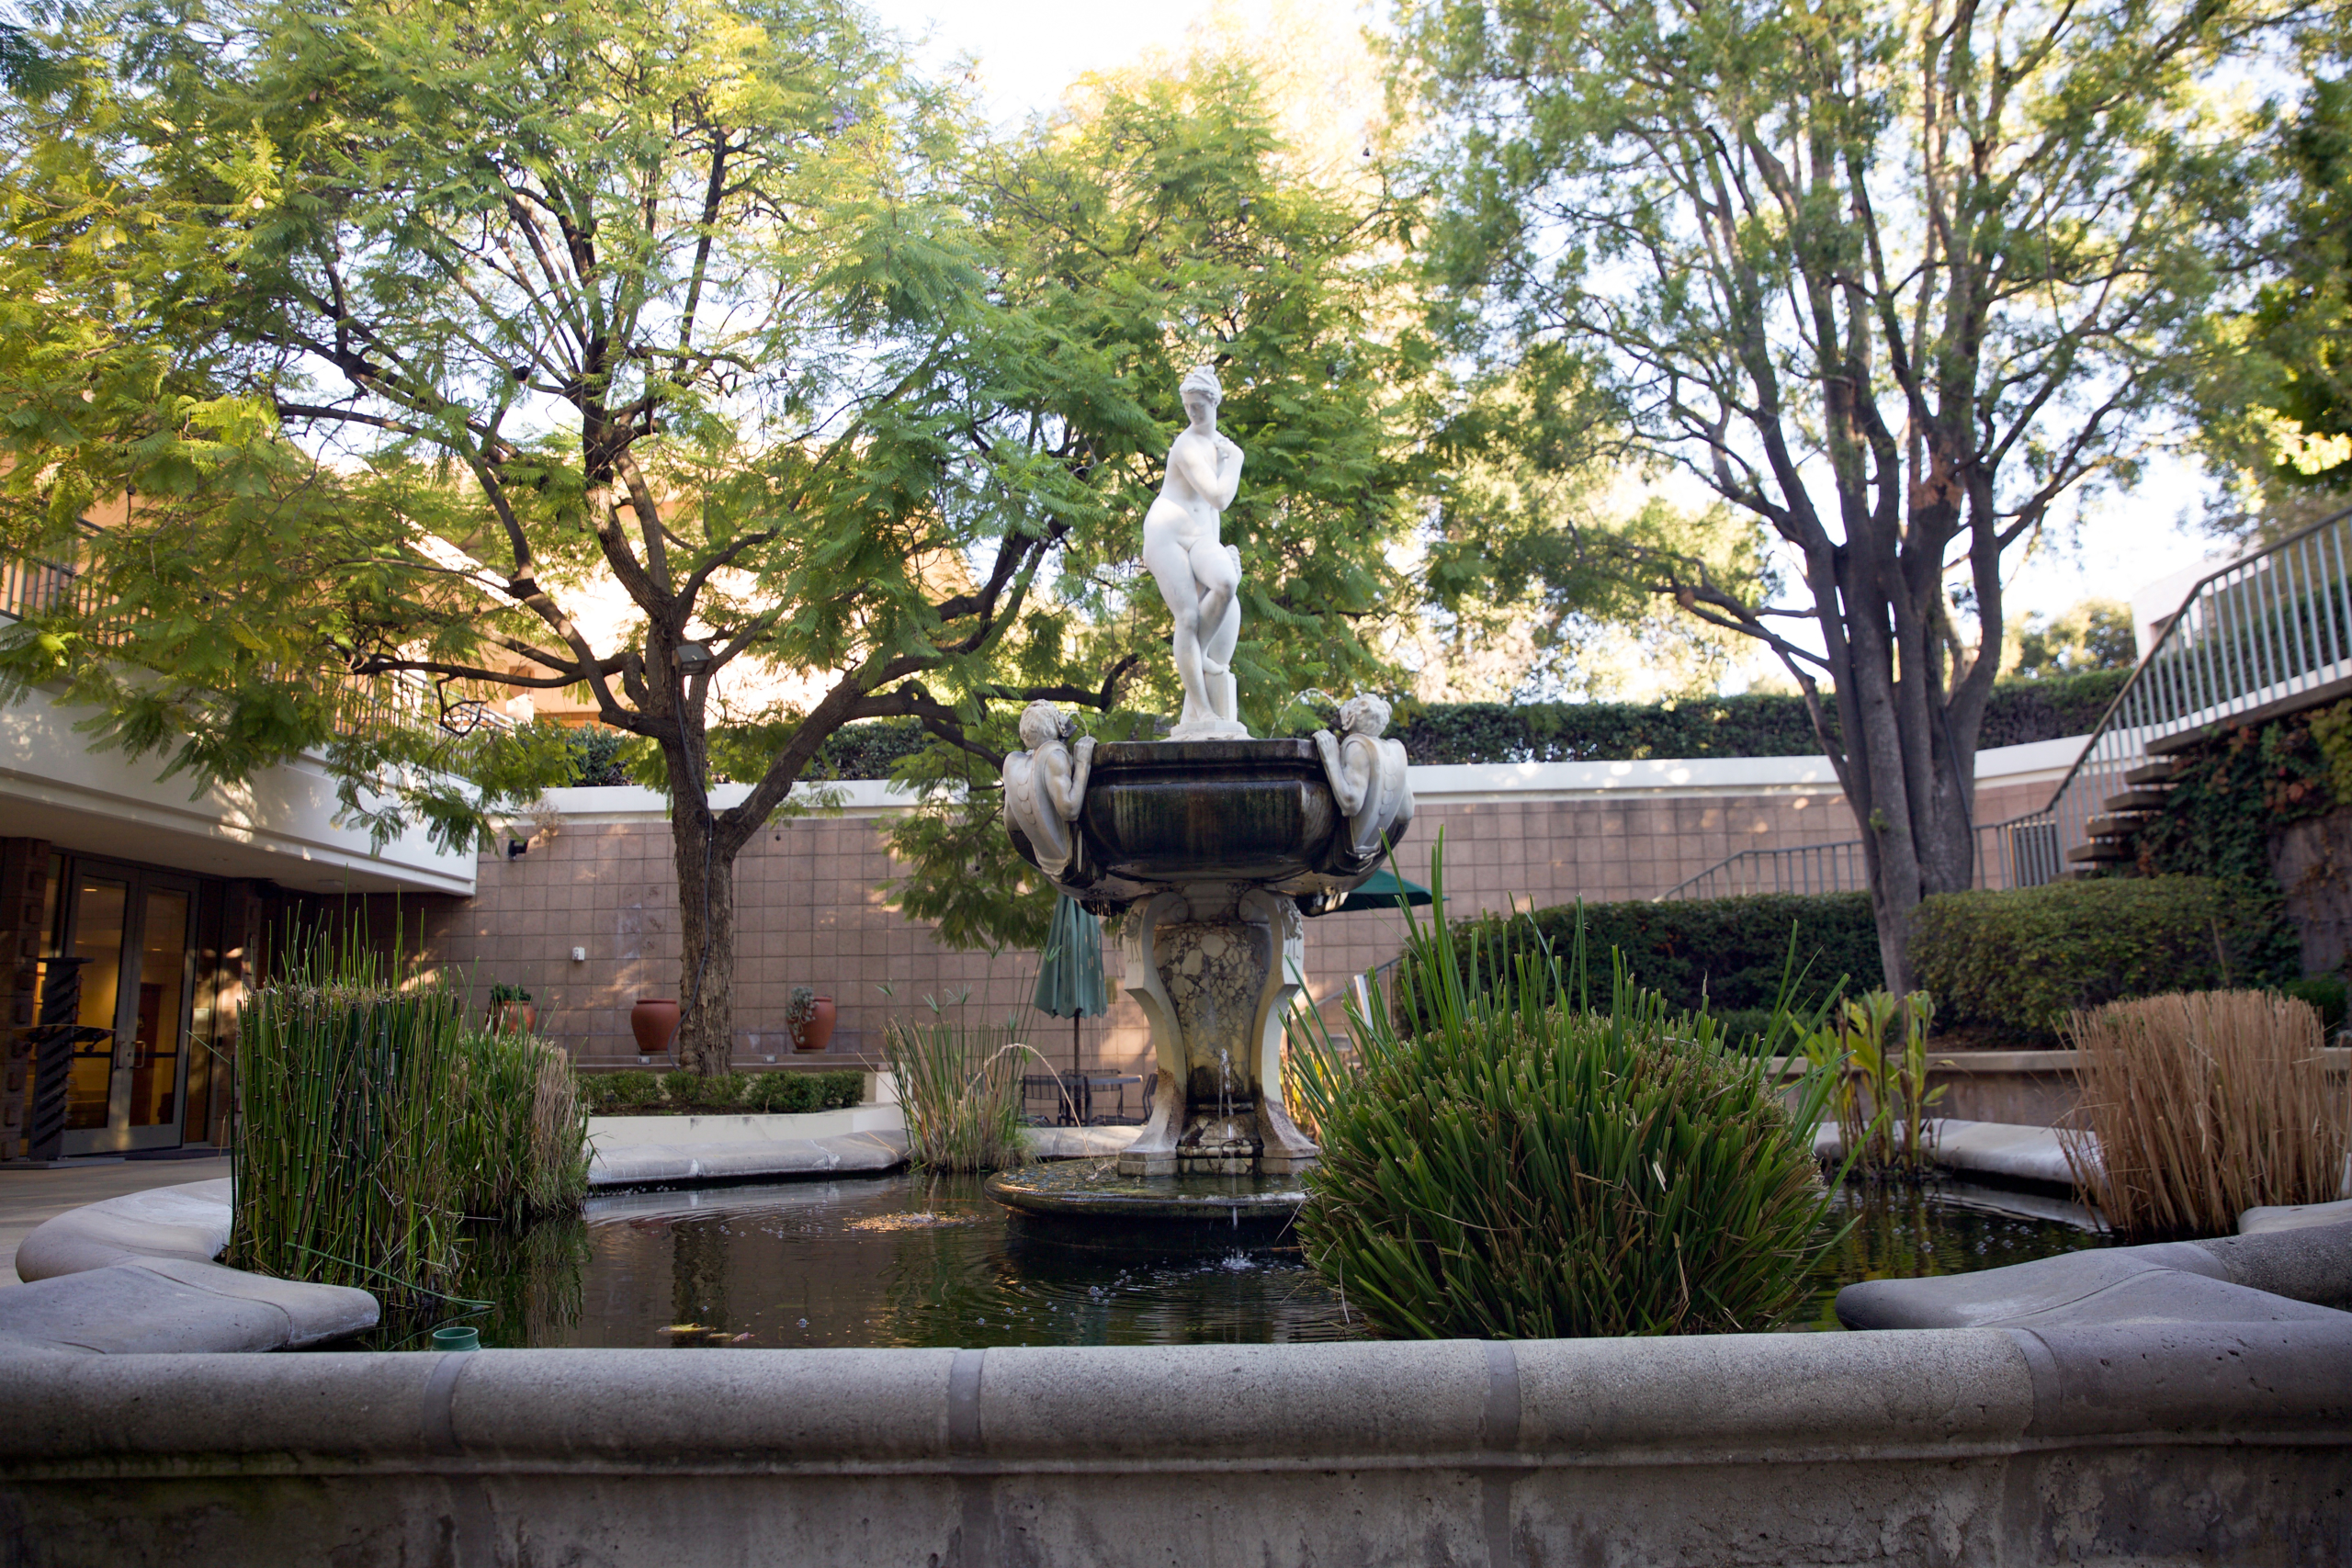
(636, 1093)
(2022, 959)
(1726, 954)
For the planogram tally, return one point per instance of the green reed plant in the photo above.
(519, 1147)
(1522, 1163)
(1874, 1049)
(959, 1088)
(346, 1115)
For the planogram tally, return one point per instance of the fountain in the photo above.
(1208, 850)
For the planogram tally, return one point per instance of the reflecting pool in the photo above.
(909, 1260)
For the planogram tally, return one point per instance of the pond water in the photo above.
(909, 1260)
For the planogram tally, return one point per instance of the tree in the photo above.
(2095, 634)
(1893, 279)
(2277, 401)
(414, 330)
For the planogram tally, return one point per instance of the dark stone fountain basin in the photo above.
(1088, 1203)
(1175, 813)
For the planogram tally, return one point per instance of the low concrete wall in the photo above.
(2027, 1089)
(635, 1151)
(2222, 1444)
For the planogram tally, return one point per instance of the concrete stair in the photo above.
(2114, 833)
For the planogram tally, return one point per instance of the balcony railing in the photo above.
(31, 585)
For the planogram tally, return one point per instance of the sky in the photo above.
(1027, 52)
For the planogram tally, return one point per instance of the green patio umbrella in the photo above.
(1069, 977)
(1379, 891)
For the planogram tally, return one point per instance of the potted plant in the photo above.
(511, 1011)
(809, 1018)
(654, 1021)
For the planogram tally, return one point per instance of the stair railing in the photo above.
(2268, 633)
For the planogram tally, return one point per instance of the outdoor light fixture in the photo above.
(515, 847)
(693, 656)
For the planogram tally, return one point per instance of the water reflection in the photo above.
(906, 1261)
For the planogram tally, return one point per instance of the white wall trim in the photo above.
(280, 824)
(2040, 762)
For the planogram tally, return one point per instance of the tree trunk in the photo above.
(706, 864)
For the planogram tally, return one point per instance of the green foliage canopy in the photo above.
(409, 341)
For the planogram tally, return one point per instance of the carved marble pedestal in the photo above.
(1215, 966)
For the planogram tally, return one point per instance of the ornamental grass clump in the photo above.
(1524, 1165)
(959, 1089)
(2201, 1106)
(346, 1115)
(519, 1148)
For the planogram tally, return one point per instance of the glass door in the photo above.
(133, 931)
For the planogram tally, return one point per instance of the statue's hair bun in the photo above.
(1201, 378)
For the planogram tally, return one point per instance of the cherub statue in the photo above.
(1368, 778)
(1198, 574)
(1044, 785)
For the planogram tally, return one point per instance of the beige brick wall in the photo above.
(809, 910)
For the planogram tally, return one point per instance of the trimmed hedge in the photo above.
(1760, 726)
(608, 1094)
(1726, 954)
(2022, 959)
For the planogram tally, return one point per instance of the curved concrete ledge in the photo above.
(1987, 1148)
(638, 1151)
(134, 1275)
(1956, 1447)
(2287, 1276)
(641, 1165)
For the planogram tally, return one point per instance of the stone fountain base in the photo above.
(1087, 1202)
(1215, 966)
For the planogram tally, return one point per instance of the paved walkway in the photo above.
(29, 1197)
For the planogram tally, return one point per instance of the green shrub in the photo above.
(840, 1090)
(1726, 954)
(519, 1144)
(620, 1092)
(1523, 1166)
(2326, 994)
(782, 1093)
(2022, 959)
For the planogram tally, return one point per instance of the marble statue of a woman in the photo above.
(1045, 785)
(1198, 573)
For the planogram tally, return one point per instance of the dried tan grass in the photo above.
(2196, 1107)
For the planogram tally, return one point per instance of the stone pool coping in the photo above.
(2179, 1441)
(134, 1275)
(2118, 1405)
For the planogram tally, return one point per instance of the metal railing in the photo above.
(1802, 868)
(2268, 633)
(31, 585)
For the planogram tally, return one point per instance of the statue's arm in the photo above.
(1078, 776)
(1212, 474)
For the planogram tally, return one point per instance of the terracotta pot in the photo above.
(654, 1021)
(514, 1018)
(819, 1029)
